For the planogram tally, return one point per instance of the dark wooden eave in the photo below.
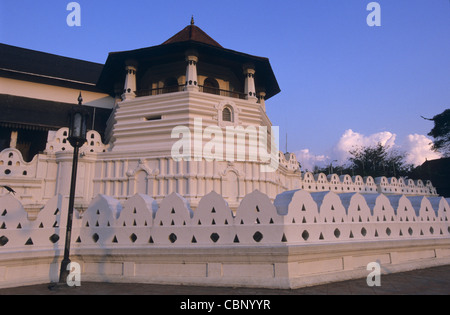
(113, 72)
(35, 66)
(30, 113)
(174, 49)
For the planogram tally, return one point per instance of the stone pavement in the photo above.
(431, 281)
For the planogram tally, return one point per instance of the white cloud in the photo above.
(417, 147)
(419, 150)
(351, 140)
(309, 160)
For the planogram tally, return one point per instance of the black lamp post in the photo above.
(77, 137)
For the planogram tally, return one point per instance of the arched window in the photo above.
(211, 85)
(227, 115)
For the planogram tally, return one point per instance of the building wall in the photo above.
(119, 175)
(54, 93)
(134, 128)
(139, 157)
(300, 239)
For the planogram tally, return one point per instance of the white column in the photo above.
(191, 72)
(13, 141)
(130, 83)
(249, 89)
(262, 102)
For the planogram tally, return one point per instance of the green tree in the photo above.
(441, 132)
(378, 160)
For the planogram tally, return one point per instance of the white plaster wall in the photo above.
(260, 246)
(54, 93)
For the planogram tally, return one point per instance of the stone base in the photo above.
(278, 266)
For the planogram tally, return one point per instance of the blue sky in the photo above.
(343, 83)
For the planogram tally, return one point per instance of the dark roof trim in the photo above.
(24, 126)
(42, 114)
(115, 64)
(34, 66)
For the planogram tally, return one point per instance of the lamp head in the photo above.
(78, 124)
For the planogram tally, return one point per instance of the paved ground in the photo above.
(432, 281)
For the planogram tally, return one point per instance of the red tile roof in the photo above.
(192, 33)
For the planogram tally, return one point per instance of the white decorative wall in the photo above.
(142, 216)
(111, 234)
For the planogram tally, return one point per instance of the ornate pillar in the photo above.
(130, 82)
(13, 141)
(261, 98)
(191, 71)
(249, 88)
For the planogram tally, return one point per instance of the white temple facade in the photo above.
(187, 116)
(181, 180)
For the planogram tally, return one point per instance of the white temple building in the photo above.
(181, 180)
(161, 118)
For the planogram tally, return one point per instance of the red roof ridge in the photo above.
(192, 33)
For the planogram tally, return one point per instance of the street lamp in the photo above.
(331, 166)
(77, 137)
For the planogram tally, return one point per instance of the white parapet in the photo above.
(300, 239)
